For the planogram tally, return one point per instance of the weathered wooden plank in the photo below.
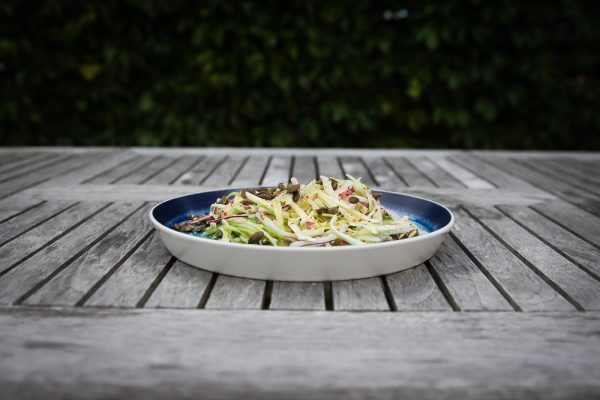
(31, 168)
(570, 194)
(463, 175)
(225, 172)
(519, 282)
(572, 218)
(236, 293)
(573, 283)
(182, 287)
(328, 166)
(495, 175)
(304, 169)
(408, 172)
(146, 172)
(252, 172)
(297, 296)
(20, 161)
(357, 168)
(14, 205)
(30, 219)
(278, 171)
(566, 180)
(438, 176)
(157, 354)
(127, 285)
(415, 290)
(360, 294)
(8, 160)
(77, 279)
(29, 243)
(171, 174)
(569, 245)
(383, 174)
(119, 171)
(19, 282)
(570, 172)
(466, 283)
(94, 164)
(34, 179)
(201, 171)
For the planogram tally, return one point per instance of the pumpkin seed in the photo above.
(413, 233)
(243, 194)
(402, 236)
(281, 186)
(255, 237)
(353, 200)
(265, 196)
(333, 210)
(334, 184)
(262, 190)
(322, 210)
(248, 202)
(293, 188)
(296, 197)
(376, 195)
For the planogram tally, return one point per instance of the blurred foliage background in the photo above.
(483, 74)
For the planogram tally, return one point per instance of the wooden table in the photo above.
(93, 306)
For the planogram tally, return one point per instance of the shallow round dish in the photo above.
(304, 264)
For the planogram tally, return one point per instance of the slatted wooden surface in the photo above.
(74, 231)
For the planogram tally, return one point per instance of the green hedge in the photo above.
(492, 74)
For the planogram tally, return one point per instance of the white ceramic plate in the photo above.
(303, 263)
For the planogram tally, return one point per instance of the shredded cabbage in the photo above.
(324, 212)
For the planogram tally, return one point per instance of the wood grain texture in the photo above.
(182, 287)
(127, 285)
(252, 172)
(16, 204)
(297, 296)
(580, 287)
(466, 283)
(278, 171)
(571, 246)
(80, 276)
(28, 220)
(38, 177)
(157, 354)
(35, 239)
(415, 290)
(304, 169)
(174, 171)
(201, 171)
(360, 294)
(469, 179)
(383, 174)
(357, 168)
(527, 289)
(30, 165)
(15, 161)
(328, 166)
(21, 280)
(230, 292)
(434, 173)
(225, 172)
(572, 218)
(571, 194)
(115, 173)
(408, 172)
(146, 172)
